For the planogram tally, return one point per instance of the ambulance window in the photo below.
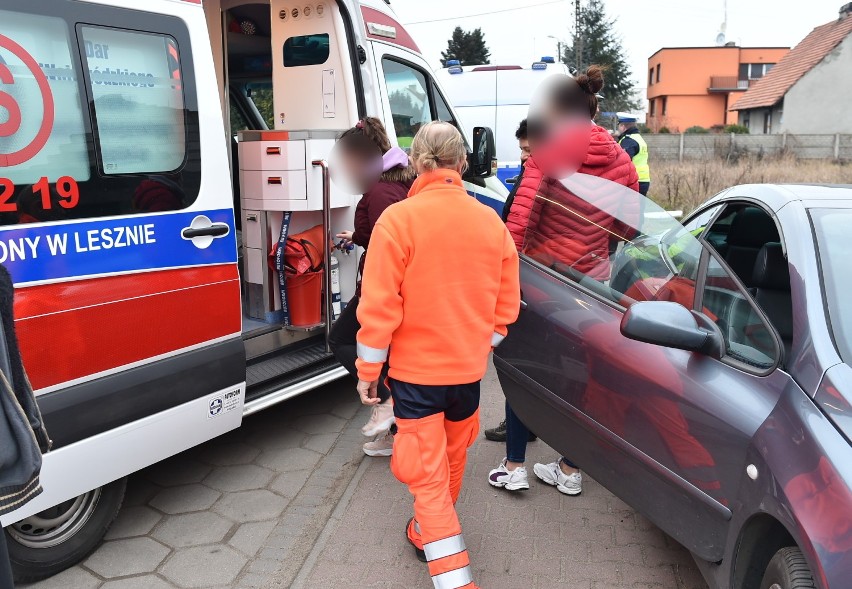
(306, 50)
(442, 110)
(408, 94)
(37, 76)
(94, 121)
(138, 101)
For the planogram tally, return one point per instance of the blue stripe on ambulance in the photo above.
(86, 248)
(491, 202)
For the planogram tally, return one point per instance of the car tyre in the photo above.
(51, 541)
(788, 569)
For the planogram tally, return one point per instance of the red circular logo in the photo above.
(30, 150)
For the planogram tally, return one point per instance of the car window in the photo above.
(748, 338)
(611, 240)
(835, 250)
(442, 110)
(738, 236)
(408, 94)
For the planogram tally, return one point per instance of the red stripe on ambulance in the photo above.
(131, 317)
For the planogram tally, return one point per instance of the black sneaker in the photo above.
(421, 554)
(498, 434)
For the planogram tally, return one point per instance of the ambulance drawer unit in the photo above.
(273, 173)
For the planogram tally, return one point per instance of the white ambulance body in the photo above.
(498, 97)
(145, 327)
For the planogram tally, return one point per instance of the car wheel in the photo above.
(788, 569)
(51, 541)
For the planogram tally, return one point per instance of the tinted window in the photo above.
(408, 95)
(306, 50)
(441, 108)
(135, 83)
(748, 339)
(99, 119)
(835, 251)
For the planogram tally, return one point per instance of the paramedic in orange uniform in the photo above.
(440, 287)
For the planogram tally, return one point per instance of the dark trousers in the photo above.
(344, 345)
(643, 188)
(5, 566)
(517, 436)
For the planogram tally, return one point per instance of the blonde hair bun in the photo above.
(438, 145)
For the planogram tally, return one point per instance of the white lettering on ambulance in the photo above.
(58, 244)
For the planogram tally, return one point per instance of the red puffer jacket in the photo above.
(575, 233)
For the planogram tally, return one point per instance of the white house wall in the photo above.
(819, 101)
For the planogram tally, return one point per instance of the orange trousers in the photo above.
(429, 455)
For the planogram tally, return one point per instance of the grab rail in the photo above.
(326, 227)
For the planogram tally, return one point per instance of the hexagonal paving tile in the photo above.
(120, 558)
(241, 477)
(247, 506)
(192, 529)
(289, 460)
(178, 470)
(203, 566)
(289, 484)
(185, 499)
(228, 454)
(250, 537)
(143, 582)
(321, 443)
(320, 424)
(133, 521)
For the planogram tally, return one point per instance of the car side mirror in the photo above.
(512, 181)
(482, 163)
(672, 325)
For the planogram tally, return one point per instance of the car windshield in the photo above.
(831, 227)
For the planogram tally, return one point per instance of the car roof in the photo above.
(777, 196)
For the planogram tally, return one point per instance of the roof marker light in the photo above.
(452, 62)
(379, 30)
(548, 59)
(456, 69)
(539, 65)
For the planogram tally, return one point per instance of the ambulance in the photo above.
(497, 96)
(152, 157)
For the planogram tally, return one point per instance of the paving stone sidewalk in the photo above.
(538, 539)
(289, 501)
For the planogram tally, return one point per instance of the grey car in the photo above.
(700, 371)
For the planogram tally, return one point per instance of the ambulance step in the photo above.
(286, 362)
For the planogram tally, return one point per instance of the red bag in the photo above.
(303, 253)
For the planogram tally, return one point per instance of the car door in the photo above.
(664, 429)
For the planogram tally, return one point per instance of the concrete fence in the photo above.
(683, 146)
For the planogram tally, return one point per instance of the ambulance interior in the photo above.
(288, 82)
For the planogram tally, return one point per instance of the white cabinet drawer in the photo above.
(272, 155)
(272, 187)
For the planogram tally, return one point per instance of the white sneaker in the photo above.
(569, 484)
(511, 480)
(381, 446)
(380, 421)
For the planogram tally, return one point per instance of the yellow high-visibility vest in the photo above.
(640, 160)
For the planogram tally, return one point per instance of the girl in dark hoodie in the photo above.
(393, 186)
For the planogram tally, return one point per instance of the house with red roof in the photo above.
(808, 91)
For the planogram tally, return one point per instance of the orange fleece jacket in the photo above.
(441, 285)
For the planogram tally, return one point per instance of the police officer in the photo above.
(636, 148)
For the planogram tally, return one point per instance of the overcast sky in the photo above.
(520, 35)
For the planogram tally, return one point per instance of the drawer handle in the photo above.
(273, 151)
(275, 180)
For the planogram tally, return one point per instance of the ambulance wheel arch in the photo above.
(47, 543)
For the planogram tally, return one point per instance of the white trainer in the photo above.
(381, 446)
(569, 484)
(511, 480)
(380, 420)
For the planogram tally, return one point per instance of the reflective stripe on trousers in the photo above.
(453, 579)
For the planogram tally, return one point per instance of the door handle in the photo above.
(217, 230)
(524, 305)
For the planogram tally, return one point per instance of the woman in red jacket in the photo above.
(393, 186)
(580, 238)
